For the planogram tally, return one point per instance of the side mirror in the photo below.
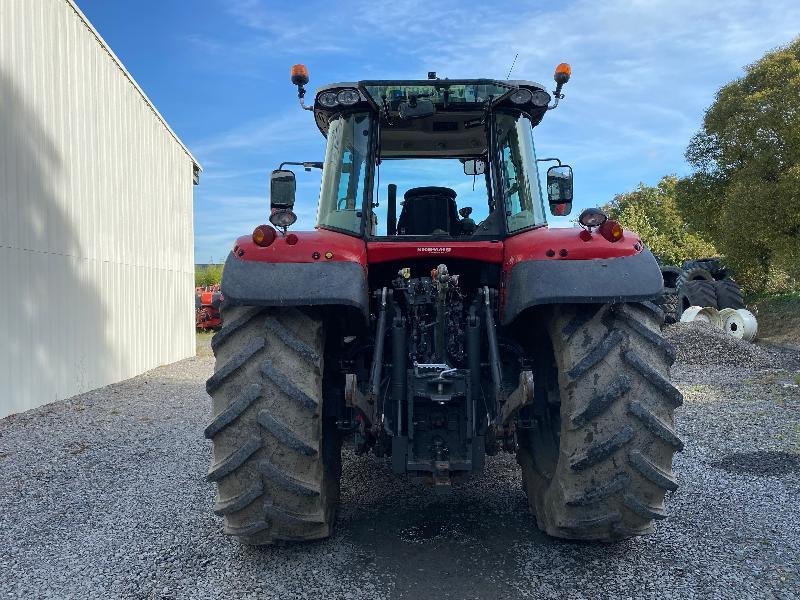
(559, 190)
(416, 108)
(474, 166)
(282, 189)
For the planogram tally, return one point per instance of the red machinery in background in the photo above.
(206, 303)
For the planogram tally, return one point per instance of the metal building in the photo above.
(96, 231)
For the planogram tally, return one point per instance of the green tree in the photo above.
(652, 212)
(745, 193)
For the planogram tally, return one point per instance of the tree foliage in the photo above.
(745, 193)
(652, 212)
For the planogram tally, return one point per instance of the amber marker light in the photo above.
(611, 230)
(263, 235)
(563, 73)
(561, 76)
(299, 74)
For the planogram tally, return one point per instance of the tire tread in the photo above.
(272, 444)
(608, 476)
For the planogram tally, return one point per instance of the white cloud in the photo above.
(292, 127)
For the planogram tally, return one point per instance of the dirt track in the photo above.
(103, 496)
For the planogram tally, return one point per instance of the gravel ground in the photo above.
(699, 344)
(103, 497)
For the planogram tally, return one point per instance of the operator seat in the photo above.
(428, 209)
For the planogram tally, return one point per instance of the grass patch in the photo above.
(778, 317)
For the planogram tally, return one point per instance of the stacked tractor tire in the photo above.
(703, 282)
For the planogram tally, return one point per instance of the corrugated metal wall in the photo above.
(96, 233)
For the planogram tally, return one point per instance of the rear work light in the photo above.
(328, 99)
(592, 217)
(611, 230)
(264, 235)
(521, 96)
(344, 97)
(540, 98)
(348, 97)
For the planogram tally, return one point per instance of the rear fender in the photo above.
(299, 274)
(560, 267)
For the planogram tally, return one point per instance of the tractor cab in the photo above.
(436, 159)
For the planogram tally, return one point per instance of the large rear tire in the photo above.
(277, 455)
(598, 467)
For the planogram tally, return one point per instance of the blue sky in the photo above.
(218, 70)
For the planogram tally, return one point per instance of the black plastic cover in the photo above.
(626, 279)
(295, 284)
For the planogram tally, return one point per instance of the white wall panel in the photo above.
(96, 232)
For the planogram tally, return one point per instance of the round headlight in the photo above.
(521, 96)
(282, 218)
(328, 99)
(592, 217)
(541, 98)
(348, 97)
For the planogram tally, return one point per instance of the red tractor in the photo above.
(433, 319)
(207, 302)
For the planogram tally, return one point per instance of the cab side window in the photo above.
(518, 173)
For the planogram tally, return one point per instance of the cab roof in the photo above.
(452, 97)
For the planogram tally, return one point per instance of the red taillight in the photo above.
(561, 209)
(263, 235)
(291, 239)
(611, 230)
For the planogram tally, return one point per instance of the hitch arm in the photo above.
(494, 354)
(355, 399)
(377, 357)
(520, 397)
(366, 403)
